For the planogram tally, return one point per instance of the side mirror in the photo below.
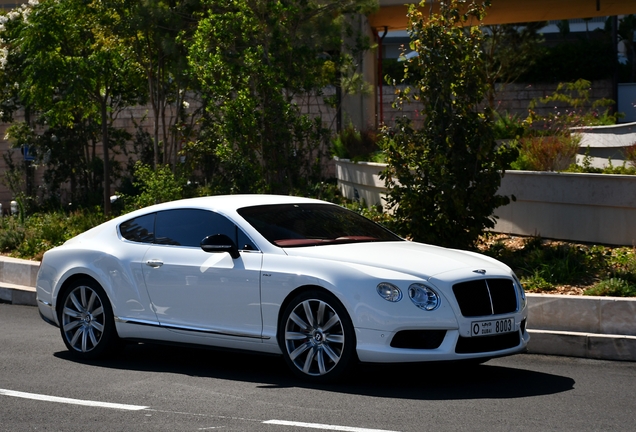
(220, 243)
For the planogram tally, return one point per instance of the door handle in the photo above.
(154, 263)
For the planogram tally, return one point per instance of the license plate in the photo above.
(492, 327)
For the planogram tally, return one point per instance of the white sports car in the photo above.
(307, 279)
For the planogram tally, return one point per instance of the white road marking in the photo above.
(46, 398)
(323, 426)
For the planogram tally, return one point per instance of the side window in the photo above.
(187, 227)
(244, 242)
(140, 229)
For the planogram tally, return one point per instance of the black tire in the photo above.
(317, 337)
(86, 320)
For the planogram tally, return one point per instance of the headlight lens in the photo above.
(424, 297)
(522, 293)
(389, 292)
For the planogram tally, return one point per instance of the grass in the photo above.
(546, 266)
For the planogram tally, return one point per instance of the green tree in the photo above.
(158, 32)
(443, 177)
(71, 67)
(252, 59)
(156, 185)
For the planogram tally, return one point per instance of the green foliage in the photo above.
(508, 126)
(158, 34)
(614, 287)
(443, 178)
(547, 153)
(543, 265)
(222, 79)
(630, 155)
(393, 72)
(356, 145)
(13, 178)
(67, 68)
(570, 106)
(586, 167)
(252, 59)
(38, 233)
(155, 186)
(548, 142)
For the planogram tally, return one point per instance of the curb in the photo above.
(586, 345)
(575, 326)
(582, 326)
(17, 294)
(17, 280)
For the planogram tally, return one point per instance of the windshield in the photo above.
(294, 225)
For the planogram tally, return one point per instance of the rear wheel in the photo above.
(86, 320)
(316, 336)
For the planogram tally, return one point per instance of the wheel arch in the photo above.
(69, 282)
(301, 289)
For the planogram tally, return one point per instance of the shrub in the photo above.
(614, 287)
(547, 153)
(630, 155)
(543, 265)
(11, 234)
(156, 186)
(42, 231)
(508, 126)
(549, 144)
(356, 145)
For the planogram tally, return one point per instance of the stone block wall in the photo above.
(512, 98)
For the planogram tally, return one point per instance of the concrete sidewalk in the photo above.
(576, 326)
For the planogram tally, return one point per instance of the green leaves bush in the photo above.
(443, 176)
(544, 265)
(42, 231)
(614, 287)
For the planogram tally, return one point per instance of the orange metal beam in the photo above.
(393, 15)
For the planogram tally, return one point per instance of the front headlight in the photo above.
(520, 291)
(389, 292)
(424, 297)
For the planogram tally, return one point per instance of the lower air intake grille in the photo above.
(472, 345)
(418, 339)
(486, 297)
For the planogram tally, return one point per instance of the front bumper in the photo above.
(374, 346)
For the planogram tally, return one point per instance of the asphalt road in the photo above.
(158, 388)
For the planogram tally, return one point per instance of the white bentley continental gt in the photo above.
(310, 280)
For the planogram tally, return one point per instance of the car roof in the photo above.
(227, 203)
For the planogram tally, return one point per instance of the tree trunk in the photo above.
(104, 115)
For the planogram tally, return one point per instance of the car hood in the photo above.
(412, 258)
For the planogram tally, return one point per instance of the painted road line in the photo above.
(323, 426)
(46, 398)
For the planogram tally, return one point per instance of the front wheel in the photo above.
(86, 320)
(316, 336)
